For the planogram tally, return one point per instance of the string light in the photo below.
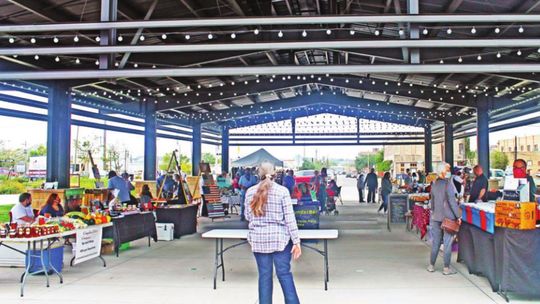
(76, 39)
(352, 32)
(328, 32)
(449, 31)
(210, 36)
(57, 59)
(33, 40)
(401, 32)
(473, 30)
(77, 61)
(280, 34)
(11, 40)
(120, 38)
(521, 29)
(377, 32)
(164, 36)
(425, 31)
(519, 53)
(460, 60)
(497, 30)
(187, 37)
(256, 31)
(36, 57)
(97, 62)
(304, 34)
(233, 36)
(98, 39)
(142, 38)
(499, 55)
(479, 57)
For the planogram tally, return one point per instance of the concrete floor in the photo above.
(368, 264)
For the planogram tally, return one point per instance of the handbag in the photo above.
(450, 226)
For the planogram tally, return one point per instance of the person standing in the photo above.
(407, 179)
(479, 186)
(273, 235)
(289, 182)
(322, 196)
(443, 206)
(246, 181)
(386, 189)
(360, 185)
(22, 212)
(532, 186)
(372, 185)
(53, 206)
(121, 185)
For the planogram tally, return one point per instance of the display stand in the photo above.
(212, 205)
(183, 196)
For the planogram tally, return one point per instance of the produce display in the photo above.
(46, 226)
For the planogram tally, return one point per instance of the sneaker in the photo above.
(449, 271)
(431, 268)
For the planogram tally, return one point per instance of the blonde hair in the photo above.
(265, 172)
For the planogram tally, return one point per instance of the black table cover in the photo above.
(131, 227)
(184, 219)
(509, 259)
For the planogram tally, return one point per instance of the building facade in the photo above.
(405, 157)
(524, 147)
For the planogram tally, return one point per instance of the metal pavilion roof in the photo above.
(238, 65)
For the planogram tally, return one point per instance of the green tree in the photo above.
(361, 162)
(40, 150)
(82, 147)
(209, 158)
(10, 157)
(470, 156)
(307, 165)
(381, 165)
(499, 160)
(185, 163)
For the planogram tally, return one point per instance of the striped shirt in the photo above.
(272, 231)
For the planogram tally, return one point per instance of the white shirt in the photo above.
(19, 211)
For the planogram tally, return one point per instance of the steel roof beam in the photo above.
(266, 46)
(261, 21)
(273, 70)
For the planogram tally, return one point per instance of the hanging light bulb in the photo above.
(449, 31)
(280, 34)
(77, 61)
(210, 36)
(401, 32)
(519, 53)
(97, 62)
(164, 36)
(233, 36)
(76, 38)
(120, 38)
(98, 39)
(136, 65)
(460, 60)
(352, 32)
(499, 55)
(142, 38)
(473, 30)
(33, 40)
(377, 32)
(441, 61)
(479, 57)
(256, 32)
(187, 37)
(425, 31)
(36, 57)
(521, 29)
(11, 40)
(304, 34)
(497, 30)
(57, 59)
(328, 32)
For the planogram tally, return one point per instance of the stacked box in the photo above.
(515, 215)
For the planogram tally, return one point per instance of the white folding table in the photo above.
(234, 234)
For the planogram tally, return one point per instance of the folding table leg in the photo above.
(326, 274)
(221, 257)
(43, 266)
(216, 264)
(27, 269)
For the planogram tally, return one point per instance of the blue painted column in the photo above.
(428, 150)
(150, 142)
(224, 149)
(449, 143)
(482, 129)
(58, 134)
(196, 150)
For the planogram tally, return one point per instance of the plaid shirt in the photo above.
(272, 231)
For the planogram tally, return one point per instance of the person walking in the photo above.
(372, 185)
(386, 189)
(273, 235)
(443, 206)
(246, 181)
(360, 185)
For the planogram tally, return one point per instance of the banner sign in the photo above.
(88, 244)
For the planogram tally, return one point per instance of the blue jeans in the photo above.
(438, 235)
(384, 204)
(282, 261)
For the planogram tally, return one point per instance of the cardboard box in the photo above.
(515, 215)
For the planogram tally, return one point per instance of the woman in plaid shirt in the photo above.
(273, 235)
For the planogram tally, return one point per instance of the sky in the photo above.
(21, 133)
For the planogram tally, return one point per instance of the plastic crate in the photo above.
(57, 259)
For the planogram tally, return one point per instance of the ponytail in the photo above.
(261, 196)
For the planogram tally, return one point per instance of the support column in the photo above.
(224, 149)
(482, 135)
(58, 135)
(150, 142)
(196, 150)
(428, 150)
(358, 130)
(414, 9)
(109, 13)
(293, 126)
(449, 143)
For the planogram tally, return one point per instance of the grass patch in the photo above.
(4, 213)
